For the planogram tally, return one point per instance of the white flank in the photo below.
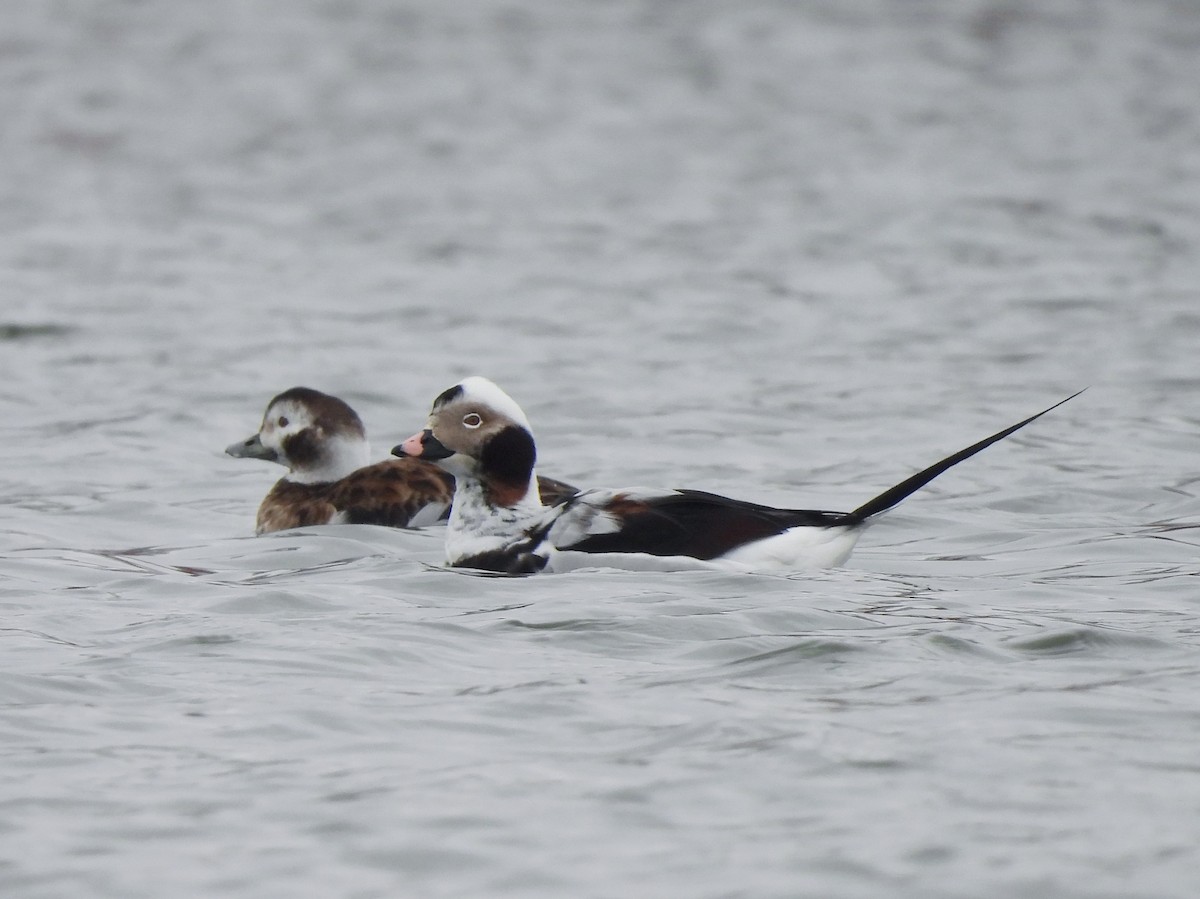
(565, 560)
(797, 549)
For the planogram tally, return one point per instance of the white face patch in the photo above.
(336, 456)
(281, 421)
(481, 391)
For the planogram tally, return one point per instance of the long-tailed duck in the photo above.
(480, 435)
(322, 443)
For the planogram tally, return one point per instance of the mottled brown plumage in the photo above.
(322, 442)
(386, 493)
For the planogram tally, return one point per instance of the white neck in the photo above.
(342, 456)
(477, 526)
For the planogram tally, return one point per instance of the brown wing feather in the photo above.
(290, 505)
(391, 493)
(387, 493)
(554, 492)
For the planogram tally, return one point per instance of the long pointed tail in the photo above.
(893, 495)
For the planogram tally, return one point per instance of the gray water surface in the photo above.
(786, 251)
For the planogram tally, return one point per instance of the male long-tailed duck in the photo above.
(322, 443)
(480, 435)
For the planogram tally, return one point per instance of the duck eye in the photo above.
(472, 420)
(283, 422)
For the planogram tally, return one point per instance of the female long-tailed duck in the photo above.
(322, 443)
(480, 435)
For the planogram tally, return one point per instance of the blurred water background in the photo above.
(789, 251)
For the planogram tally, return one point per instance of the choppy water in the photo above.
(787, 251)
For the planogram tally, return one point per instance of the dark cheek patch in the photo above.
(507, 462)
(303, 448)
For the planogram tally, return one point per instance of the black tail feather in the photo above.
(893, 495)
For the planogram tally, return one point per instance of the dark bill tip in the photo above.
(250, 448)
(423, 446)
